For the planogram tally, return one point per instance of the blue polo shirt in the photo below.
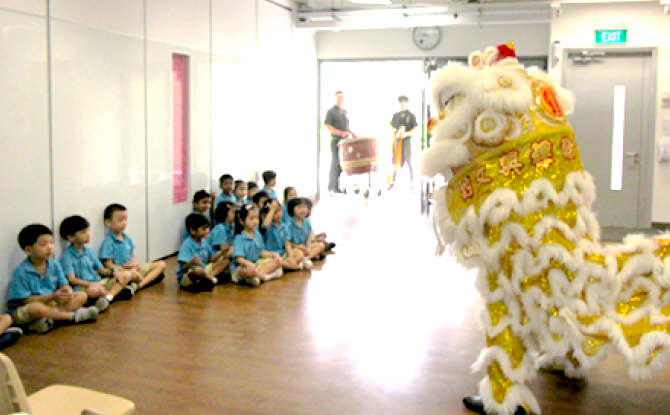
(247, 201)
(26, 282)
(84, 265)
(270, 192)
(190, 248)
(120, 252)
(245, 246)
(285, 216)
(221, 234)
(275, 236)
(224, 197)
(299, 234)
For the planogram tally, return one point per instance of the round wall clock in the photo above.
(426, 38)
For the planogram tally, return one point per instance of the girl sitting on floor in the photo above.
(252, 263)
(301, 229)
(277, 234)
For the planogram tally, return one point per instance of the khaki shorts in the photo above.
(22, 316)
(186, 280)
(144, 270)
(235, 275)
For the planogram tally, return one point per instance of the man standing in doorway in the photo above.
(338, 125)
(403, 124)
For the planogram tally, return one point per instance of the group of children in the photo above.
(76, 289)
(244, 238)
(251, 239)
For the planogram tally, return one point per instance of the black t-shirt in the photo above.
(404, 118)
(337, 117)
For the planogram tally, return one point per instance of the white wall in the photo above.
(24, 134)
(101, 131)
(263, 110)
(175, 26)
(98, 118)
(530, 40)
(648, 27)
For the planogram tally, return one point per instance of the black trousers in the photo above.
(335, 168)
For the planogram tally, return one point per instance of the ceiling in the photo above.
(345, 14)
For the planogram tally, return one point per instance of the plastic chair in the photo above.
(55, 399)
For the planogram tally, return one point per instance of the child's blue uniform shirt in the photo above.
(190, 248)
(271, 193)
(247, 201)
(298, 235)
(245, 246)
(224, 197)
(275, 236)
(84, 265)
(26, 282)
(120, 252)
(220, 235)
(285, 216)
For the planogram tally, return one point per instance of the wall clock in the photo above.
(426, 38)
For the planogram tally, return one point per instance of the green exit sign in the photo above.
(611, 37)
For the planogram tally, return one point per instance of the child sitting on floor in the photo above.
(38, 291)
(9, 334)
(227, 185)
(301, 229)
(118, 252)
(320, 237)
(252, 189)
(276, 235)
(270, 181)
(260, 199)
(252, 263)
(289, 193)
(82, 267)
(197, 265)
(241, 193)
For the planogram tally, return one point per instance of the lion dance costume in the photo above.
(518, 209)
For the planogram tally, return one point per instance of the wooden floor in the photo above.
(380, 327)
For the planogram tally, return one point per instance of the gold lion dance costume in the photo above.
(518, 209)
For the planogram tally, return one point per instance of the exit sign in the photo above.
(611, 37)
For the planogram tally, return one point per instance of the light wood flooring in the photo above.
(380, 327)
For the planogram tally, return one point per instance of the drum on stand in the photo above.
(359, 156)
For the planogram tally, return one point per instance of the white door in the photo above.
(612, 124)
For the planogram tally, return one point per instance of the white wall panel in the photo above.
(274, 33)
(179, 22)
(24, 135)
(37, 7)
(530, 40)
(237, 119)
(119, 16)
(98, 128)
(166, 218)
(234, 28)
(647, 26)
(303, 96)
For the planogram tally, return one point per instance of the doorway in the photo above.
(613, 122)
(371, 90)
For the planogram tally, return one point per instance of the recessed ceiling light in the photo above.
(384, 2)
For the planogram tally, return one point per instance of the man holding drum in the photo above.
(338, 125)
(403, 124)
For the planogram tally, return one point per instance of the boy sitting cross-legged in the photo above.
(118, 252)
(38, 291)
(197, 264)
(84, 270)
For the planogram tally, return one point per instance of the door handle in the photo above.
(635, 155)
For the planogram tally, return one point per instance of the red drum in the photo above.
(359, 155)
